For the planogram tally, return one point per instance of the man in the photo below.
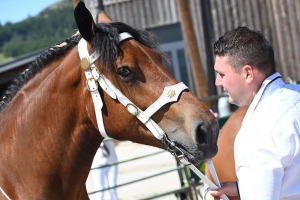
(267, 147)
(105, 177)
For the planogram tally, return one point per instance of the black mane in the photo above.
(46, 57)
(106, 41)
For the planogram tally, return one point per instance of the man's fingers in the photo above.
(215, 193)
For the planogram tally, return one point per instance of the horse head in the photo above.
(136, 88)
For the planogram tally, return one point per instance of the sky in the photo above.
(17, 10)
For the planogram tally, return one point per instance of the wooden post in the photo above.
(194, 56)
(208, 33)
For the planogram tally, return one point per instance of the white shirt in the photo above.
(100, 159)
(267, 147)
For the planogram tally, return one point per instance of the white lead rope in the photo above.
(213, 172)
(211, 185)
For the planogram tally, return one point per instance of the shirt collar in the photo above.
(260, 93)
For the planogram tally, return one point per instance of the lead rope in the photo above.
(7, 197)
(170, 94)
(172, 148)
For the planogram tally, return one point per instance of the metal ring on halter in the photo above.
(165, 140)
(171, 147)
(95, 72)
(94, 86)
(132, 109)
(180, 151)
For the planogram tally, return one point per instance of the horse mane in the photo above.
(46, 57)
(106, 41)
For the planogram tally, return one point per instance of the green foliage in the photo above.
(3, 58)
(51, 26)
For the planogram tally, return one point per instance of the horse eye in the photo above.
(125, 72)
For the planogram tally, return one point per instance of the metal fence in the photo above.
(186, 186)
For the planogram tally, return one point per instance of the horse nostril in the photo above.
(201, 134)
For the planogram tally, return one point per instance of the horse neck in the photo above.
(46, 127)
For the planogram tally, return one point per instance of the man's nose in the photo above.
(218, 81)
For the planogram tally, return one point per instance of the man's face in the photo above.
(232, 82)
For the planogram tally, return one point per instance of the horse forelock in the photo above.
(45, 58)
(106, 41)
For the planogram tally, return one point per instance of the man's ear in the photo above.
(84, 21)
(248, 73)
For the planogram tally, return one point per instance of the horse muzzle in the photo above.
(206, 138)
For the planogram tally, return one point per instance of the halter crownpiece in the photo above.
(124, 36)
(170, 94)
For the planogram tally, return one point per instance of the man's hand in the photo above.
(228, 188)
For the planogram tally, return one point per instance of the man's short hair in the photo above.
(246, 46)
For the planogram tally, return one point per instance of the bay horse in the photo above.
(49, 127)
(224, 160)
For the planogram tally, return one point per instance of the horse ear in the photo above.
(102, 17)
(84, 21)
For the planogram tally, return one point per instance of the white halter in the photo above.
(170, 94)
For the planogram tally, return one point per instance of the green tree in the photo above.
(49, 27)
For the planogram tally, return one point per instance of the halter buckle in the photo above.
(95, 72)
(132, 109)
(91, 84)
(183, 160)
